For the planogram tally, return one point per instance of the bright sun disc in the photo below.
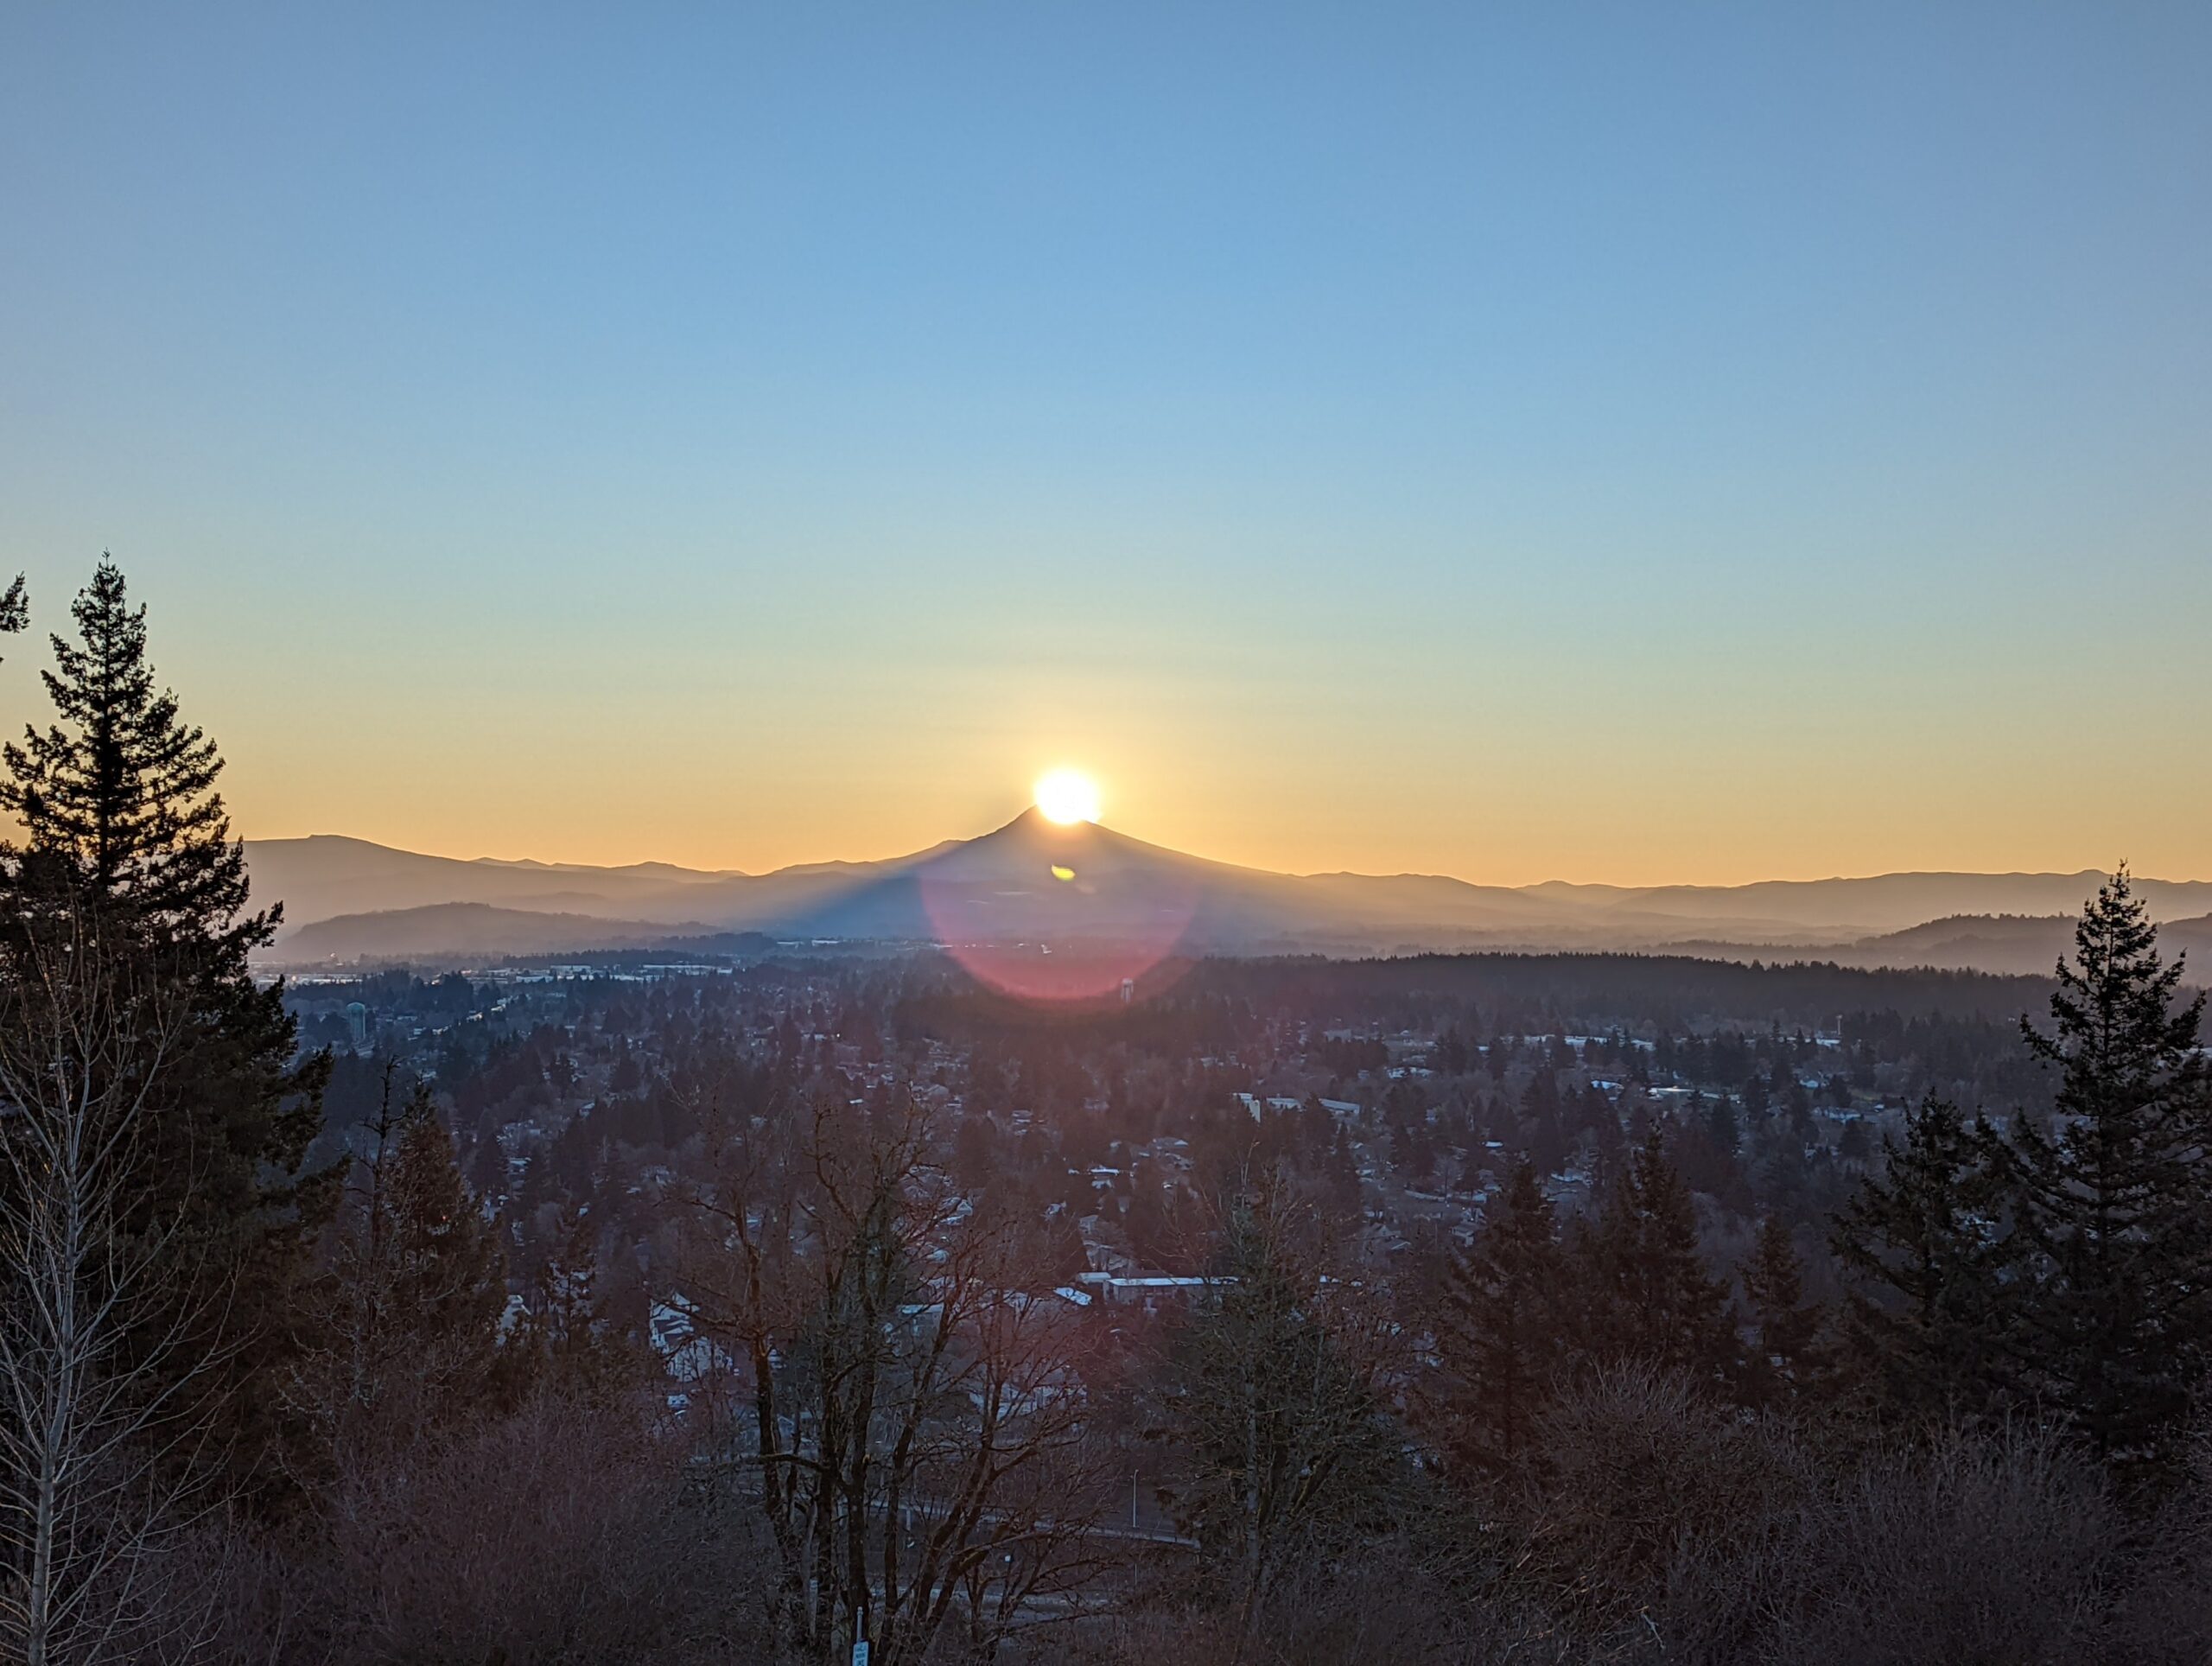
(1067, 797)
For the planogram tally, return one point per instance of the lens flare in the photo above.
(1055, 912)
(1067, 796)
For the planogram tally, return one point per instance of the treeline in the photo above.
(1218, 1005)
(1535, 994)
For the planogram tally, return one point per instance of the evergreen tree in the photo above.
(1926, 1325)
(14, 608)
(445, 1272)
(2111, 1207)
(355, 1347)
(1608, 1152)
(119, 814)
(1721, 1126)
(1500, 1330)
(1291, 1451)
(124, 788)
(405, 1333)
(1784, 1358)
(1647, 1295)
(1540, 1099)
(566, 1334)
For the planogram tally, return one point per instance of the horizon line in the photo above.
(1314, 874)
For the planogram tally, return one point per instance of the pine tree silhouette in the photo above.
(2112, 1206)
(1501, 1328)
(1926, 1327)
(120, 816)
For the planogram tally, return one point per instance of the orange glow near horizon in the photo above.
(1560, 831)
(1238, 757)
(1577, 480)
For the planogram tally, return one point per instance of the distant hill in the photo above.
(326, 876)
(2023, 942)
(1034, 881)
(2020, 945)
(2014, 943)
(446, 931)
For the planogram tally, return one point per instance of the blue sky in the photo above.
(1604, 443)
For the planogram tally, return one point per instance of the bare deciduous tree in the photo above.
(104, 1408)
(910, 1417)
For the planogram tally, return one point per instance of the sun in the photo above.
(1067, 796)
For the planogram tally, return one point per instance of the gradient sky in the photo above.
(1633, 443)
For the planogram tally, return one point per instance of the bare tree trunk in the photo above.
(101, 1407)
(936, 1410)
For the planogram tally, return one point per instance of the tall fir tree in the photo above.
(2113, 1206)
(1785, 1361)
(447, 1274)
(404, 1331)
(122, 789)
(353, 1343)
(1500, 1331)
(118, 803)
(566, 1337)
(1647, 1293)
(1277, 1404)
(1928, 1320)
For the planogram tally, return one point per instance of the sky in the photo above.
(1633, 443)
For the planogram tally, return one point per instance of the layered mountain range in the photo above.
(1034, 881)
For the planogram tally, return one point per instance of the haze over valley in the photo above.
(348, 901)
